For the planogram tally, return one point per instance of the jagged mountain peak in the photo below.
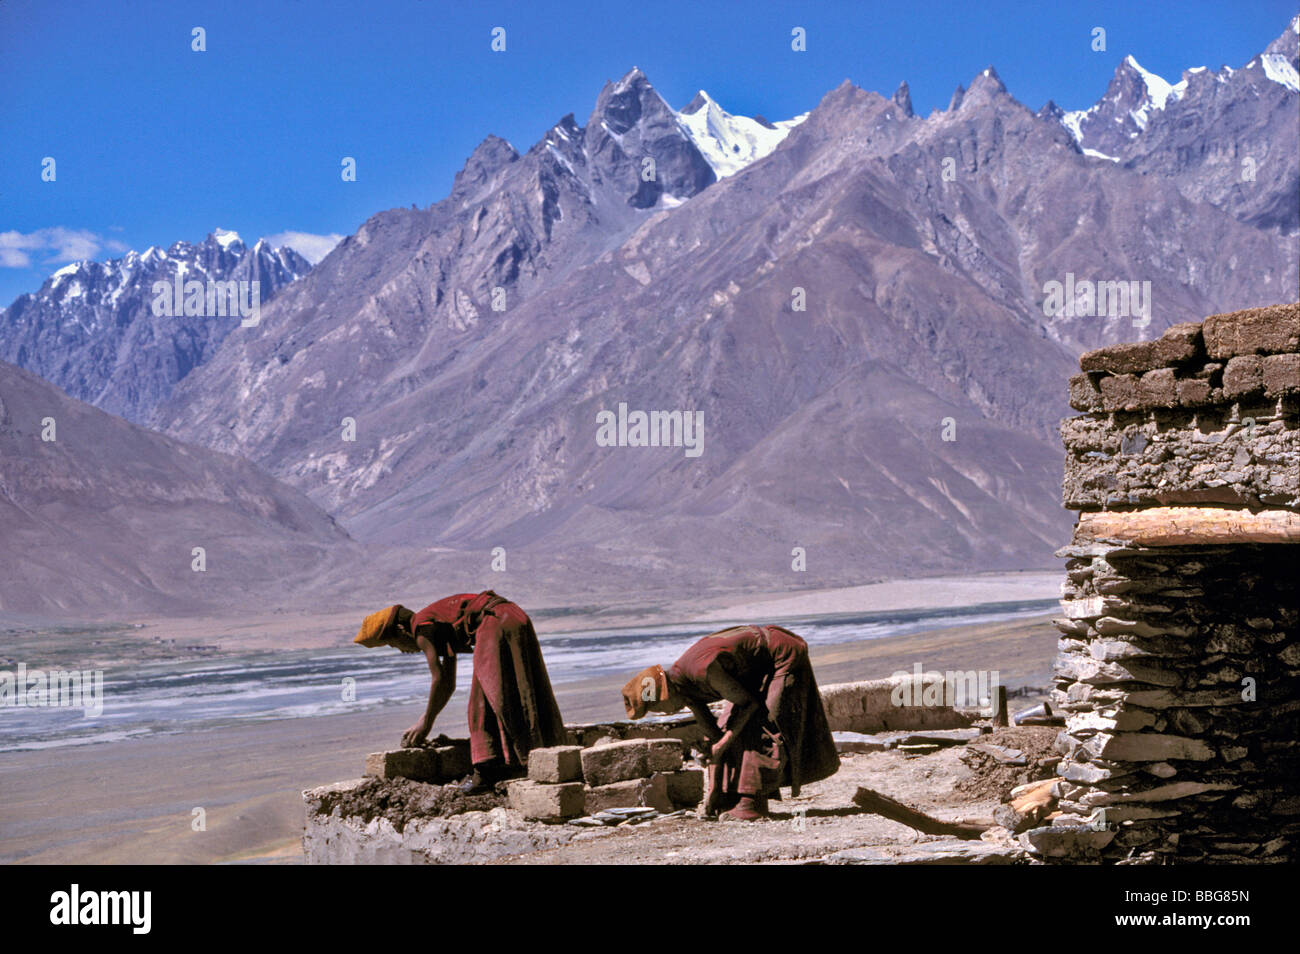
(488, 158)
(902, 98)
(621, 106)
(986, 88)
(1287, 43)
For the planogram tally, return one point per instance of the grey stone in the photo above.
(616, 762)
(1074, 841)
(560, 763)
(649, 792)
(538, 801)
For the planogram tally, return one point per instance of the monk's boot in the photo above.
(481, 781)
(747, 809)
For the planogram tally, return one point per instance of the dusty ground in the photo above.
(821, 821)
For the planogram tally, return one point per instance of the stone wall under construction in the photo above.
(1178, 666)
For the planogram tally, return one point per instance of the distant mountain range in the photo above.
(91, 329)
(854, 299)
(1229, 138)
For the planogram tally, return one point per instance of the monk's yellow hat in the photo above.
(649, 685)
(375, 627)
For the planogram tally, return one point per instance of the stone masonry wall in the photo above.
(1195, 417)
(1178, 667)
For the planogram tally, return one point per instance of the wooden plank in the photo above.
(1184, 526)
(886, 807)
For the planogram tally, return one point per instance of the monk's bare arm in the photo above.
(744, 705)
(442, 673)
(706, 720)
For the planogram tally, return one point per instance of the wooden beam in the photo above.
(1184, 526)
(886, 807)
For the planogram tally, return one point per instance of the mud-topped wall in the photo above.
(1178, 666)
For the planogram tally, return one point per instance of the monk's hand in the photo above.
(413, 737)
(703, 751)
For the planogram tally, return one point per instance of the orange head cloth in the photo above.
(376, 627)
(649, 685)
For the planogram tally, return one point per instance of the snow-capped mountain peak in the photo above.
(226, 238)
(730, 143)
(1135, 95)
(91, 328)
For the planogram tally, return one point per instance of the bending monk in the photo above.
(512, 709)
(773, 730)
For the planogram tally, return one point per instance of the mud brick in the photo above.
(1281, 374)
(1268, 330)
(561, 763)
(420, 765)
(616, 762)
(1084, 395)
(1178, 345)
(1193, 392)
(538, 801)
(1119, 392)
(664, 755)
(686, 788)
(1157, 388)
(649, 792)
(1243, 375)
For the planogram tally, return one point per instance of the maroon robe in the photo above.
(512, 709)
(772, 663)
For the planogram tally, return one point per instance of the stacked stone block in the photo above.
(568, 781)
(553, 790)
(640, 773)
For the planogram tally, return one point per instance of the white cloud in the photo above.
(309, 246)
(53, 246)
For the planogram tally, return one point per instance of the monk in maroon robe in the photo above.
(512, 709)
(773, 730)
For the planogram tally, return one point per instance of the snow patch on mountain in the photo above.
(730, 143)
(1160, 92)
(1279, 70)
(226, 238)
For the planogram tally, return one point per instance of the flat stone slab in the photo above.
(948, 851)
(869, 706)
(882, 741)
(1066, 841)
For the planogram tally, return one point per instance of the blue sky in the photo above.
(155, 142)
